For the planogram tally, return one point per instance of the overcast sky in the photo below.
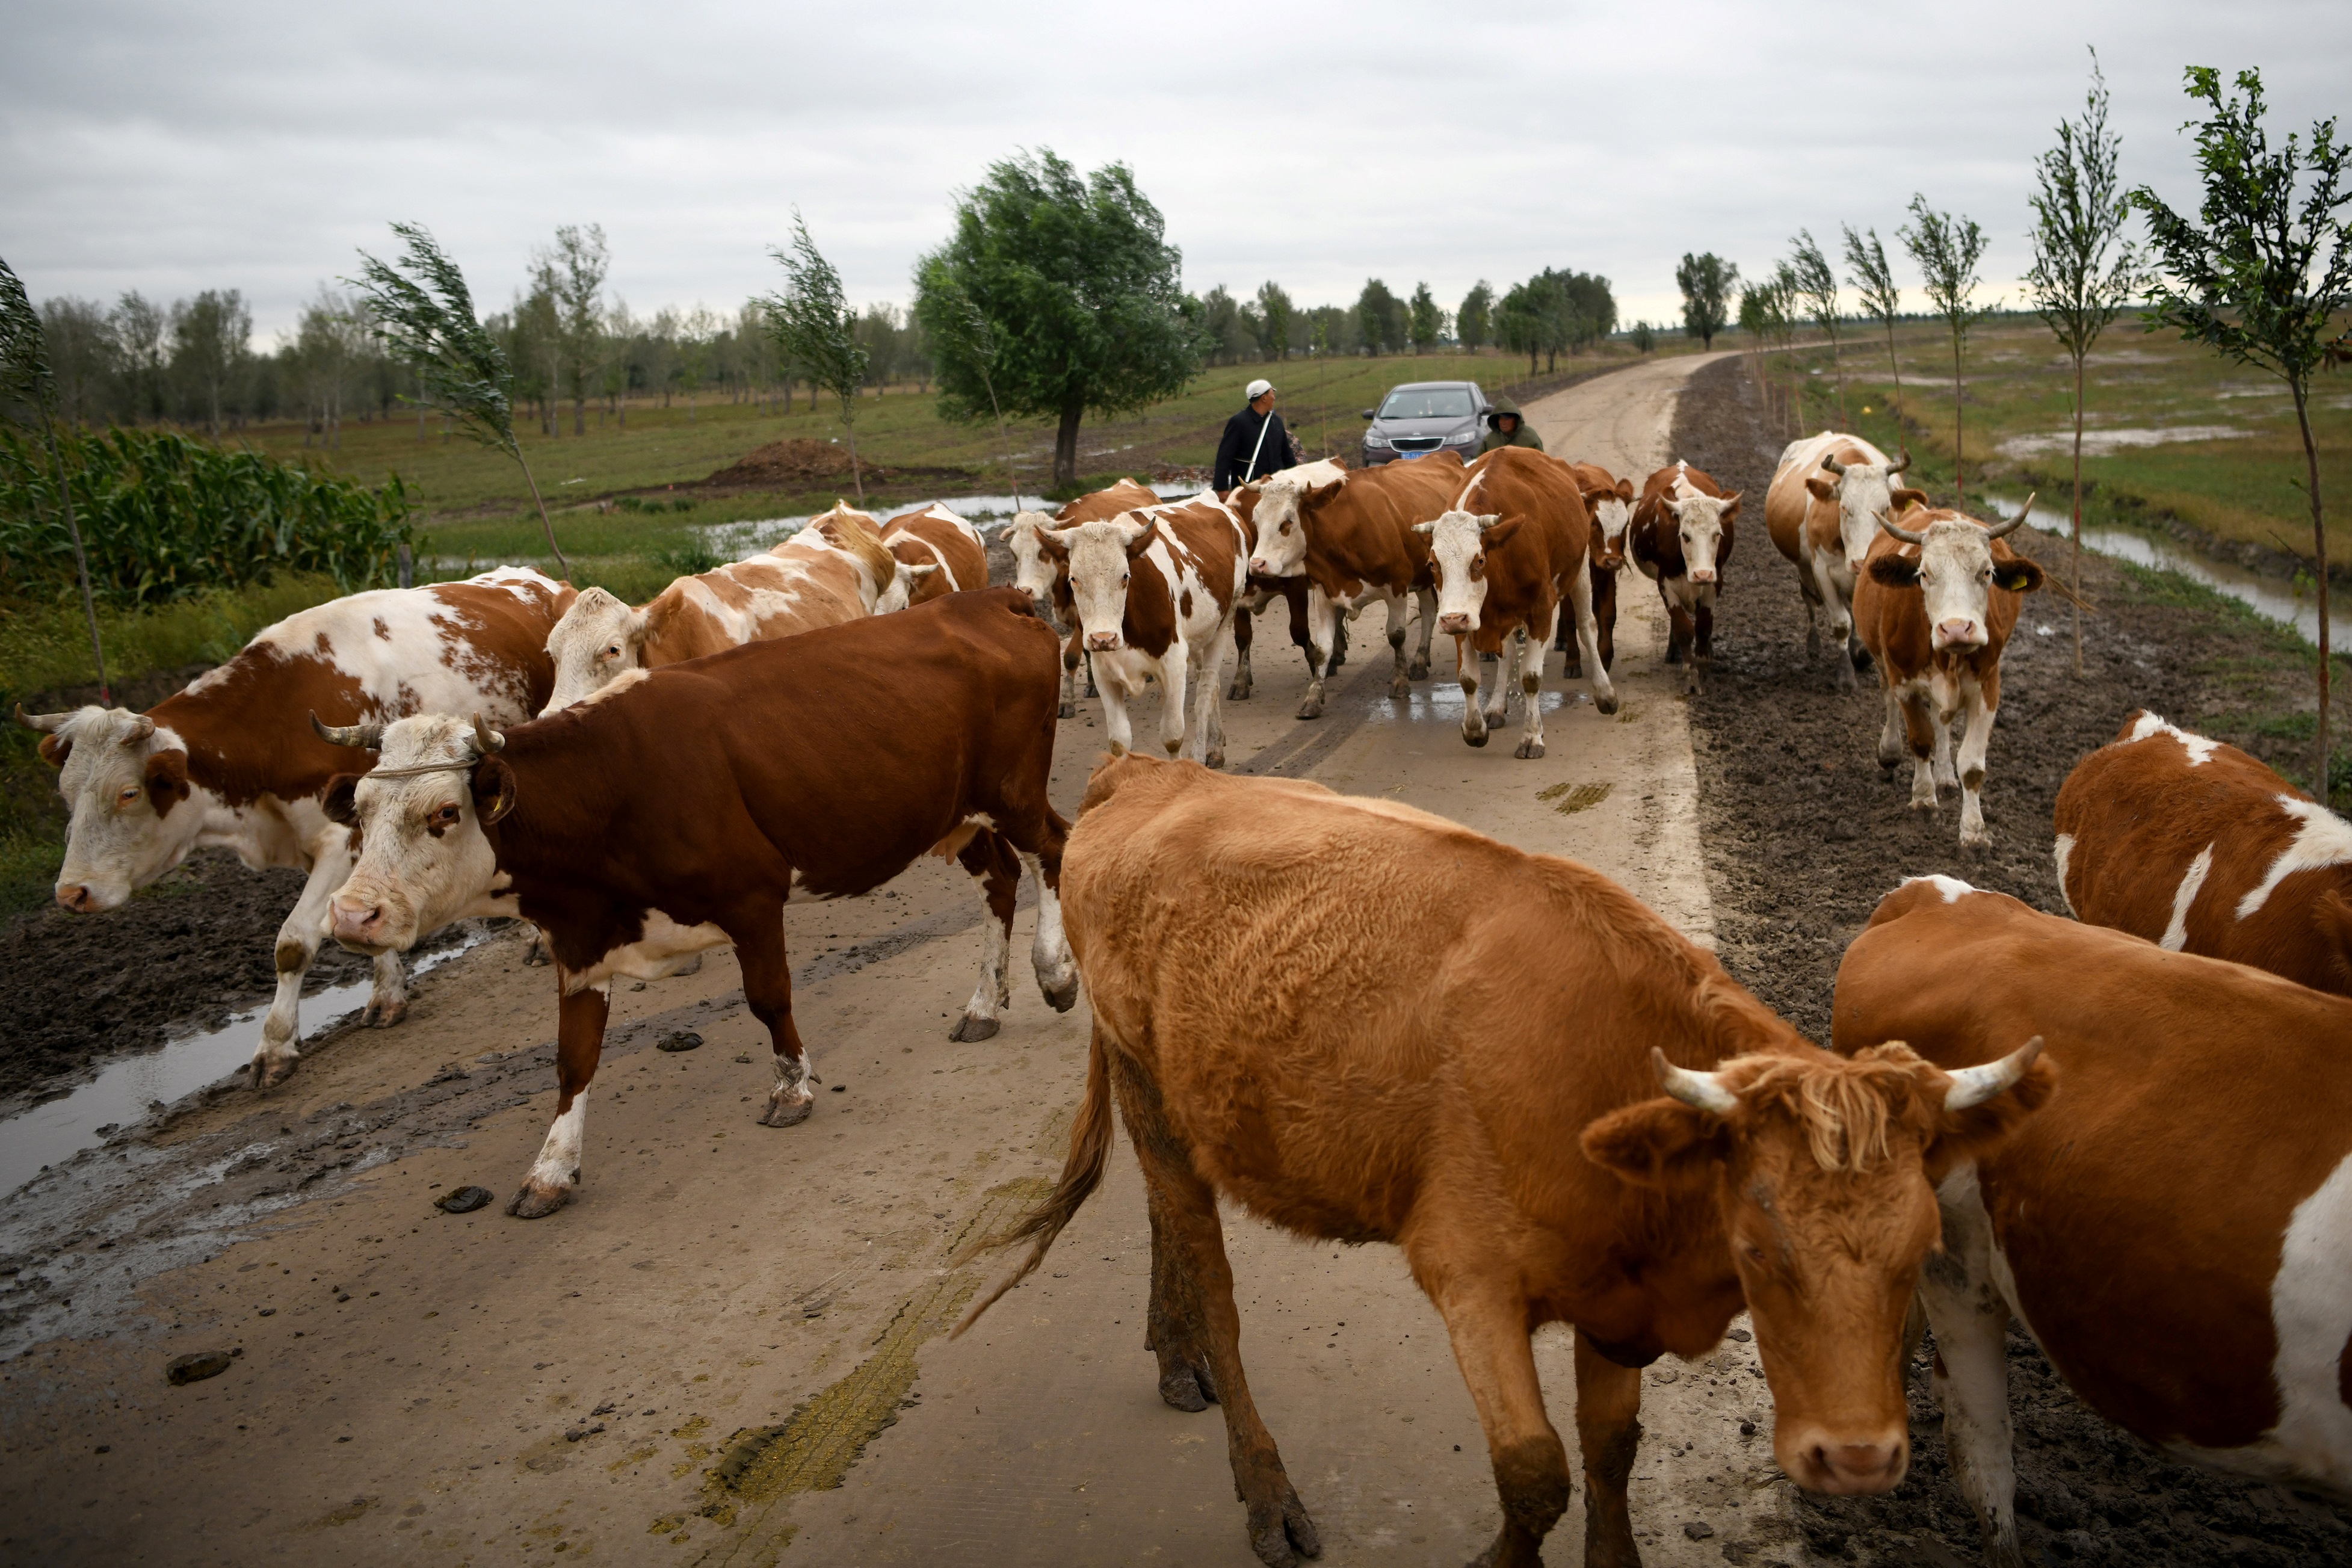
(171, 147)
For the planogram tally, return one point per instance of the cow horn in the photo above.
(142, 726)
(1904, 534)
(1998, 529)
(1974, 1086)
(1903, 463)
(1829, 461)
(486, 739)
(366, 737)
(46, 723)
(1700, 1090)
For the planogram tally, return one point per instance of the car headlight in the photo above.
(1463, 437)
(1374, 438)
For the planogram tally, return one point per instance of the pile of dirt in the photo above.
(1804, 834)
(797, 462)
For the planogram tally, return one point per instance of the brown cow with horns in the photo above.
(1466, 1069)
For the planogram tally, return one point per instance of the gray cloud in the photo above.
(171, 148)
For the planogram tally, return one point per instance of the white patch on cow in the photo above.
(664, 945)
(1191, 667)
(794, 1075)
(558, 1166)
(1279, 546)
(993, 993)
(1457, 548)
(2059, 854)
(1952, 888)
(1698, 525)
(1968, 1300)
(407, 881)
(1614, 515)
(2201, 750)
(2311, 1311)
(1050, 954)
(2176, 933)
(2325, 839)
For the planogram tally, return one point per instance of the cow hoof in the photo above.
(269, 1072)
(1069, 710)
(538, 953)
(1400, 688)
(1845, 681)
(536, 1202)
(788, 1113)
(1477, 738)
(384, 1014)
(1418, 670)
(1311, 709)
(1978, 840)
(1673, 653)
(969, 1029)
(1606, 704)
(1529, 750)
(1572, 670)
(1181, 1390)
(1062, 997)
(1237, 692)
(1215, 759)
(1279, 1531)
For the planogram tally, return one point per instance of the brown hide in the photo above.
(2141, 1212)
(247, 725)
(1527, 573)
(1198, 534)
(2141, 814)
(933, 537)
(1893, 621)
(1651, 536)
(1604, 561)
(1360, 534)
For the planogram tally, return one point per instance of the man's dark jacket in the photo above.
(1233, 465)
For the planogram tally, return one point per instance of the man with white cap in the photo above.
(1255, 444)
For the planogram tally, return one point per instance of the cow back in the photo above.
(938, 537)
(803, 582)
(1363, 531)
(1796, 518)
(1102, 505)
(1525, 574)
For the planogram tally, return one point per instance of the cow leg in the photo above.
(1117, 728)
(1486, 1318)
(1049, 953)
(1399, 683)
(1425, 601)
(388, 1000)
(578, 1042)
(1530, 659)
(1947, 775)
(768, 990)
(1809, 588)
(1243, 634)
(298, 945)
(540, 951)
(1470, 670)
(1970, 1318)
(1702, 664)
(1497, 671)
(1891, 745)
(1172, 1322)
(1279, 1529)
(1926, 738)
(991, 861)
(1209, 715)
(1839, 609)
(1593, 652)
(1973, 743)
(1609, 1431)
(1679, 629)
(1322, 629)
(1071, 658)
(1175, 677)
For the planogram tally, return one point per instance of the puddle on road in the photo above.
(735, 539)
(2270, 598)
(57, 1129)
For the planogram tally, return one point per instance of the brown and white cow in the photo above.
(677, 809)
(1047, 578)
(1504, 556)
(1822, 512)
(1609, 499)
(231, 763)
(1353, 536)
(2174, 1229)
(937, 537)
(1154, 592)
(2201, 848)
(1299, 594)
(835, 569)
(1469, 1067)
(1681, 537)
(1935, 604)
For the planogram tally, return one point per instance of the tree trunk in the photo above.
(1897, 366)
(849, 425)
(579, 410)
(2319, 552)
(2078, 514)
(1959, 461)
(1066, 445)
(1837, 364)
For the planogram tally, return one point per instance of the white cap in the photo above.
(1258, 389)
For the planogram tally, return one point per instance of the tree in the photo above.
(211, 335)
(1427, 323)
(331, 339)
(81, 356)
(423, 313)
(1278, 315)
(2083, 270)
(1767, 315)
(1874, 279)
(1588, 308)
(960, 324)
(1381, 317)
(1080, 288)
(1645, 338)
(574, 273)
(1817, 286)
(816, 330)
(698, 340)
(1947, 249)
(2265, 275)
(1707, 282)
(1474, 322)
(25, 375)
(1221, 325)
(1519, 323)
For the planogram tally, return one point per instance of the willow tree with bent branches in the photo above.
(2263, 274)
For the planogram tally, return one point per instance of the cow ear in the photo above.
(339, 802)
(1429, 527)
(1730, 507)
(2019, 575)
(1318, 494)
(167, 780)
(54, 750)
(1660, 1143)
(494, 789)
(1976, 1132)
(1821, 488)
(1892, 571)
(1903, 499)
(2332, 912)
(1625, 492)
(1493, 535)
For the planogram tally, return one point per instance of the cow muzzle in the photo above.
(1456, 624)
(1257, 566)
(1958, 634)
(82, 899)
(357, 925)
(1102, 642)
(1845, 1464)
(1702, 574)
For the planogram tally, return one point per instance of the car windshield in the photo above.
(1427, 403)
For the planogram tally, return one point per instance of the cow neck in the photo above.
(246, 726)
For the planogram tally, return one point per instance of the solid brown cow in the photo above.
(2174, 1229)
(1609, 499)
(231, 762)
(1504, 557)
(1682, 535)
(1464, 1066)
(937, 538)
(2201, 848)
(676, 810)
(1935, 605)
(1353, 536)
(1823, 513)
(1046, 580)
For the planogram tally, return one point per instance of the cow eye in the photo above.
(128, 795)
(1286, 528)
(1755, 1253)
(1123, 579)
(447, 816)
(612, 650)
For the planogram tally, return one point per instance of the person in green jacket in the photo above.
(1506, 428)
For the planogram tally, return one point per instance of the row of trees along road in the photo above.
(1553, 312)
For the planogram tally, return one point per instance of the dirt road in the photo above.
(727, 1349)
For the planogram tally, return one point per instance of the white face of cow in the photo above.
(1458, 543)
(126, 783)
(596, 639)
(1862, 492)
(1102, 554)
(1613, 513)
(1279, 519)
(1698, 522)
(1955, 571)
(422, 860)
(1033, 569)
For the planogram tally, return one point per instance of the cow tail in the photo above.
(1081, 1175)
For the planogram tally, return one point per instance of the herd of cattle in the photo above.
(2131, 1129)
